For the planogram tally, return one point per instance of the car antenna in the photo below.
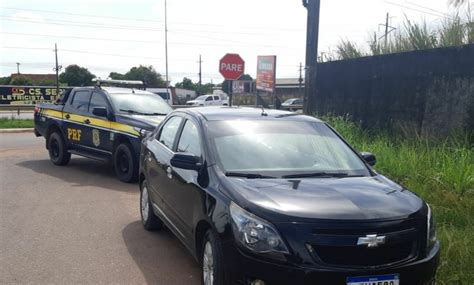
(263, 112)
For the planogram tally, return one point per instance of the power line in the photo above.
(122, 27)
(143, 20)
(84, 52)
(77, 24)
(81, 38)
(84, 15)
(430, 9)
(241, 44)
(417, 10)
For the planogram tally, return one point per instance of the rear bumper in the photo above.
(242, 269)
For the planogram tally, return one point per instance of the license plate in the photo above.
(392, 279)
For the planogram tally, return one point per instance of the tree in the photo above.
(147, 74)
(21, 81)
(200, 89)
(116, 76)
(186, 84)
(74, 75)
(5, 80)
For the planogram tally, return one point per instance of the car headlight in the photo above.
(431, 227)
(254, 233)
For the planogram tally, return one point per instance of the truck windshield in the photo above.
(288, 149)
(140, 104)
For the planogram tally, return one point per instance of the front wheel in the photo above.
(125, 164)
(58, 153)
(211, 260)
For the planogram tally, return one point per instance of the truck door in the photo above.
(217, 100)
(75, 114)
(101, 139)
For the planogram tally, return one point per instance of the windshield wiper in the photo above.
(132, 112)
(247, 175)
(155, 114)
(319, 174)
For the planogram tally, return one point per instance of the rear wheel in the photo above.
(149, 219)
(58, 153)
(125, 164)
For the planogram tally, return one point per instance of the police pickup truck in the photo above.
(103, 123)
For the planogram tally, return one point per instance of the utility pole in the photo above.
(57, 68)
(200, 73)
(300, 80)
(18, 67)
(166, 53)
(386, 30)
(312, 33)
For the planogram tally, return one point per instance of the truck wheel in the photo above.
(58, 153)
(211, 260)
(149, 220)
(125, 164)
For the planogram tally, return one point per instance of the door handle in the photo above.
(67, 116)
(87, 121)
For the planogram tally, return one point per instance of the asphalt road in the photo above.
(77, 224)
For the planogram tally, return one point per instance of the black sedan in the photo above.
(273, 197)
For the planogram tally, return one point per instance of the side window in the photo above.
(216, 98)
(189, 140)
(169, 130)
(81, 100)
(209, 98)
(97, 100)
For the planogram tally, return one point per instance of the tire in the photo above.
(57, 149)
(212, 271)
(125, 163)
(149, 220)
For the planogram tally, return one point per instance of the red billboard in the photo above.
(266, 72)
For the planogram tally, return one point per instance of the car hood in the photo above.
(141, 121)
(193, 101)
(351, 198)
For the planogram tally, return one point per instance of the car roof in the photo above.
(222, 113)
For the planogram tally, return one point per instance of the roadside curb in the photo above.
(12, 131)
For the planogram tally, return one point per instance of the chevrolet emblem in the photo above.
(371, 240)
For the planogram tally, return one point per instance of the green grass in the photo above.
(442, 173)
(10, 123)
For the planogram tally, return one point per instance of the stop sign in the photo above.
(231, 66)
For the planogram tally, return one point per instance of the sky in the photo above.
(115, 35)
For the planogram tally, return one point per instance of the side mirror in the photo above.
(186, 161)
(369, 158)
(100, 111)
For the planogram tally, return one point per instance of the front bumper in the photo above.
(242, 268)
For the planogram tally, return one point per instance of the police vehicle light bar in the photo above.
(119, 83)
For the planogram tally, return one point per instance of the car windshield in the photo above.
(140, 104)
(288, 149)
(288, 101)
